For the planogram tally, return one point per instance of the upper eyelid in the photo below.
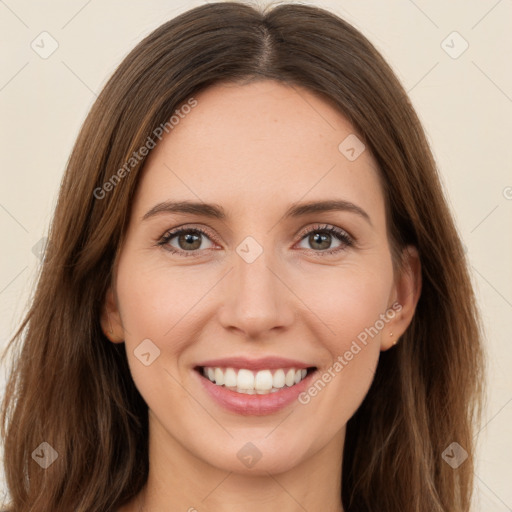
(322, 227)
(187, 227)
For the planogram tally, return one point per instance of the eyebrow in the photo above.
(217, 212)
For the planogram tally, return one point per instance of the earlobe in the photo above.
(110, 319)
(406, 293)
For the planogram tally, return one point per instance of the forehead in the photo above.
(256, 145)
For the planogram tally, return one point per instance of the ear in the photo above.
(404, 298)
(110, 319)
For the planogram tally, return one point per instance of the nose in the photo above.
(256, 299)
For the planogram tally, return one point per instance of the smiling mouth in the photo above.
(261, 382)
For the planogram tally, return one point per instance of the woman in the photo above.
(254, 295)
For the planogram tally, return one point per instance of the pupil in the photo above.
(319, 238)
(190, 239)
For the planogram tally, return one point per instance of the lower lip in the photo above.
(255, 405)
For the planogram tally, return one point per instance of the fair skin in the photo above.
(254, 150)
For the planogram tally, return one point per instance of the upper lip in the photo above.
(263, 363)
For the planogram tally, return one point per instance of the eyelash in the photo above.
(338, 233)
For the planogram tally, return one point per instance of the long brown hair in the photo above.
(72, 388)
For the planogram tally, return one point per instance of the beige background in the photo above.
(465, 104)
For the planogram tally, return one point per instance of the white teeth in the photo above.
(230, 378)
(290, 378)
(244, 380)
(263, 381)
(219, 376)
(278, 379)
(248, 382)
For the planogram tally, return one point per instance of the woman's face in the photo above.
(303, 288)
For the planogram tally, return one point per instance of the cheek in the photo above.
(346, 300)
(165, 305)
(157, 305)
(349, 303)
(351, 311)
(155, 298)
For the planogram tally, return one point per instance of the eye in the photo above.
(320, 238)
(188, 240)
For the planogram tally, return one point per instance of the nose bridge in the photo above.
(256, 299)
